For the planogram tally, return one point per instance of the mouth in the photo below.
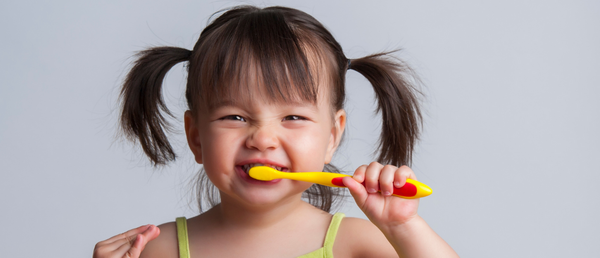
(246, 168)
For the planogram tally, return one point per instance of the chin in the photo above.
(268, 198)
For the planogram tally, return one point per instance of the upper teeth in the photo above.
(247, 167)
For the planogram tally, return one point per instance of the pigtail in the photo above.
(142, 102)
(397, 102)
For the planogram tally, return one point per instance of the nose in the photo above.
(262, 138)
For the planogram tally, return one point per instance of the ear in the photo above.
(193, 136)
(336, 134)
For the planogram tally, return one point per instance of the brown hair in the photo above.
(287, 50)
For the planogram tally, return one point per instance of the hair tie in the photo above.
(349, 63)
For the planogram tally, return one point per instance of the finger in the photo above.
(357, 190)
(123, 249)
(398, 182)
(142, 240)
(372, 177)
(134, 248)
(127, 234)
(409, 172)
(386, 180)
(151, 233)
(137, 248)
(359, 174)
(114, 249)
(402, 174)
(124, 239)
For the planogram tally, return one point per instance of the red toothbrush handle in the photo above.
(407, 190)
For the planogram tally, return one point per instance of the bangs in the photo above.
(257, 55)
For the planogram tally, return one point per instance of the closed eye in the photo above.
(233, 117)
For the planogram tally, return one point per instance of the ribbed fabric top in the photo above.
(324, 252)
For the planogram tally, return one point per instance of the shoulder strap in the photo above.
(182, 237)
(332, 233)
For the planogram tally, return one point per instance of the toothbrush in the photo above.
(411, 190)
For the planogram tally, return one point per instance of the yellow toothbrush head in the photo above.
(264, 173)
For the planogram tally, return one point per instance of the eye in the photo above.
(294, 118)
(233, 117)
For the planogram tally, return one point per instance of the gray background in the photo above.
(510, 143)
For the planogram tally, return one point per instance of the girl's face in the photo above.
(292, 136)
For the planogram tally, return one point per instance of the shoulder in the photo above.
(360, 238)
(165, 245)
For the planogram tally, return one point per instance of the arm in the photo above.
(416, 239)
(397, 218)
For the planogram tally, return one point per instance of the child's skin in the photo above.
(266, 219)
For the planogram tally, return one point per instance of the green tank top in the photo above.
(324, 252)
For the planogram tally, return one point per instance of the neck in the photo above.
(232, 213)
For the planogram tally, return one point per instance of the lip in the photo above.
(262, 161)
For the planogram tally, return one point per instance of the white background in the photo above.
(510, 143)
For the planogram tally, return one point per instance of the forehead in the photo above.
(287, 82)
(254, 89)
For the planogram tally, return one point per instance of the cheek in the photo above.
(218, 148)
(307, 149)
(313, 139)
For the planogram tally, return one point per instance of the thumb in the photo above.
(141, 240)
(357, 190)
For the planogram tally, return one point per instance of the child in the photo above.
(266, 87)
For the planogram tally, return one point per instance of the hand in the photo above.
(383, 209)
(126, 245)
